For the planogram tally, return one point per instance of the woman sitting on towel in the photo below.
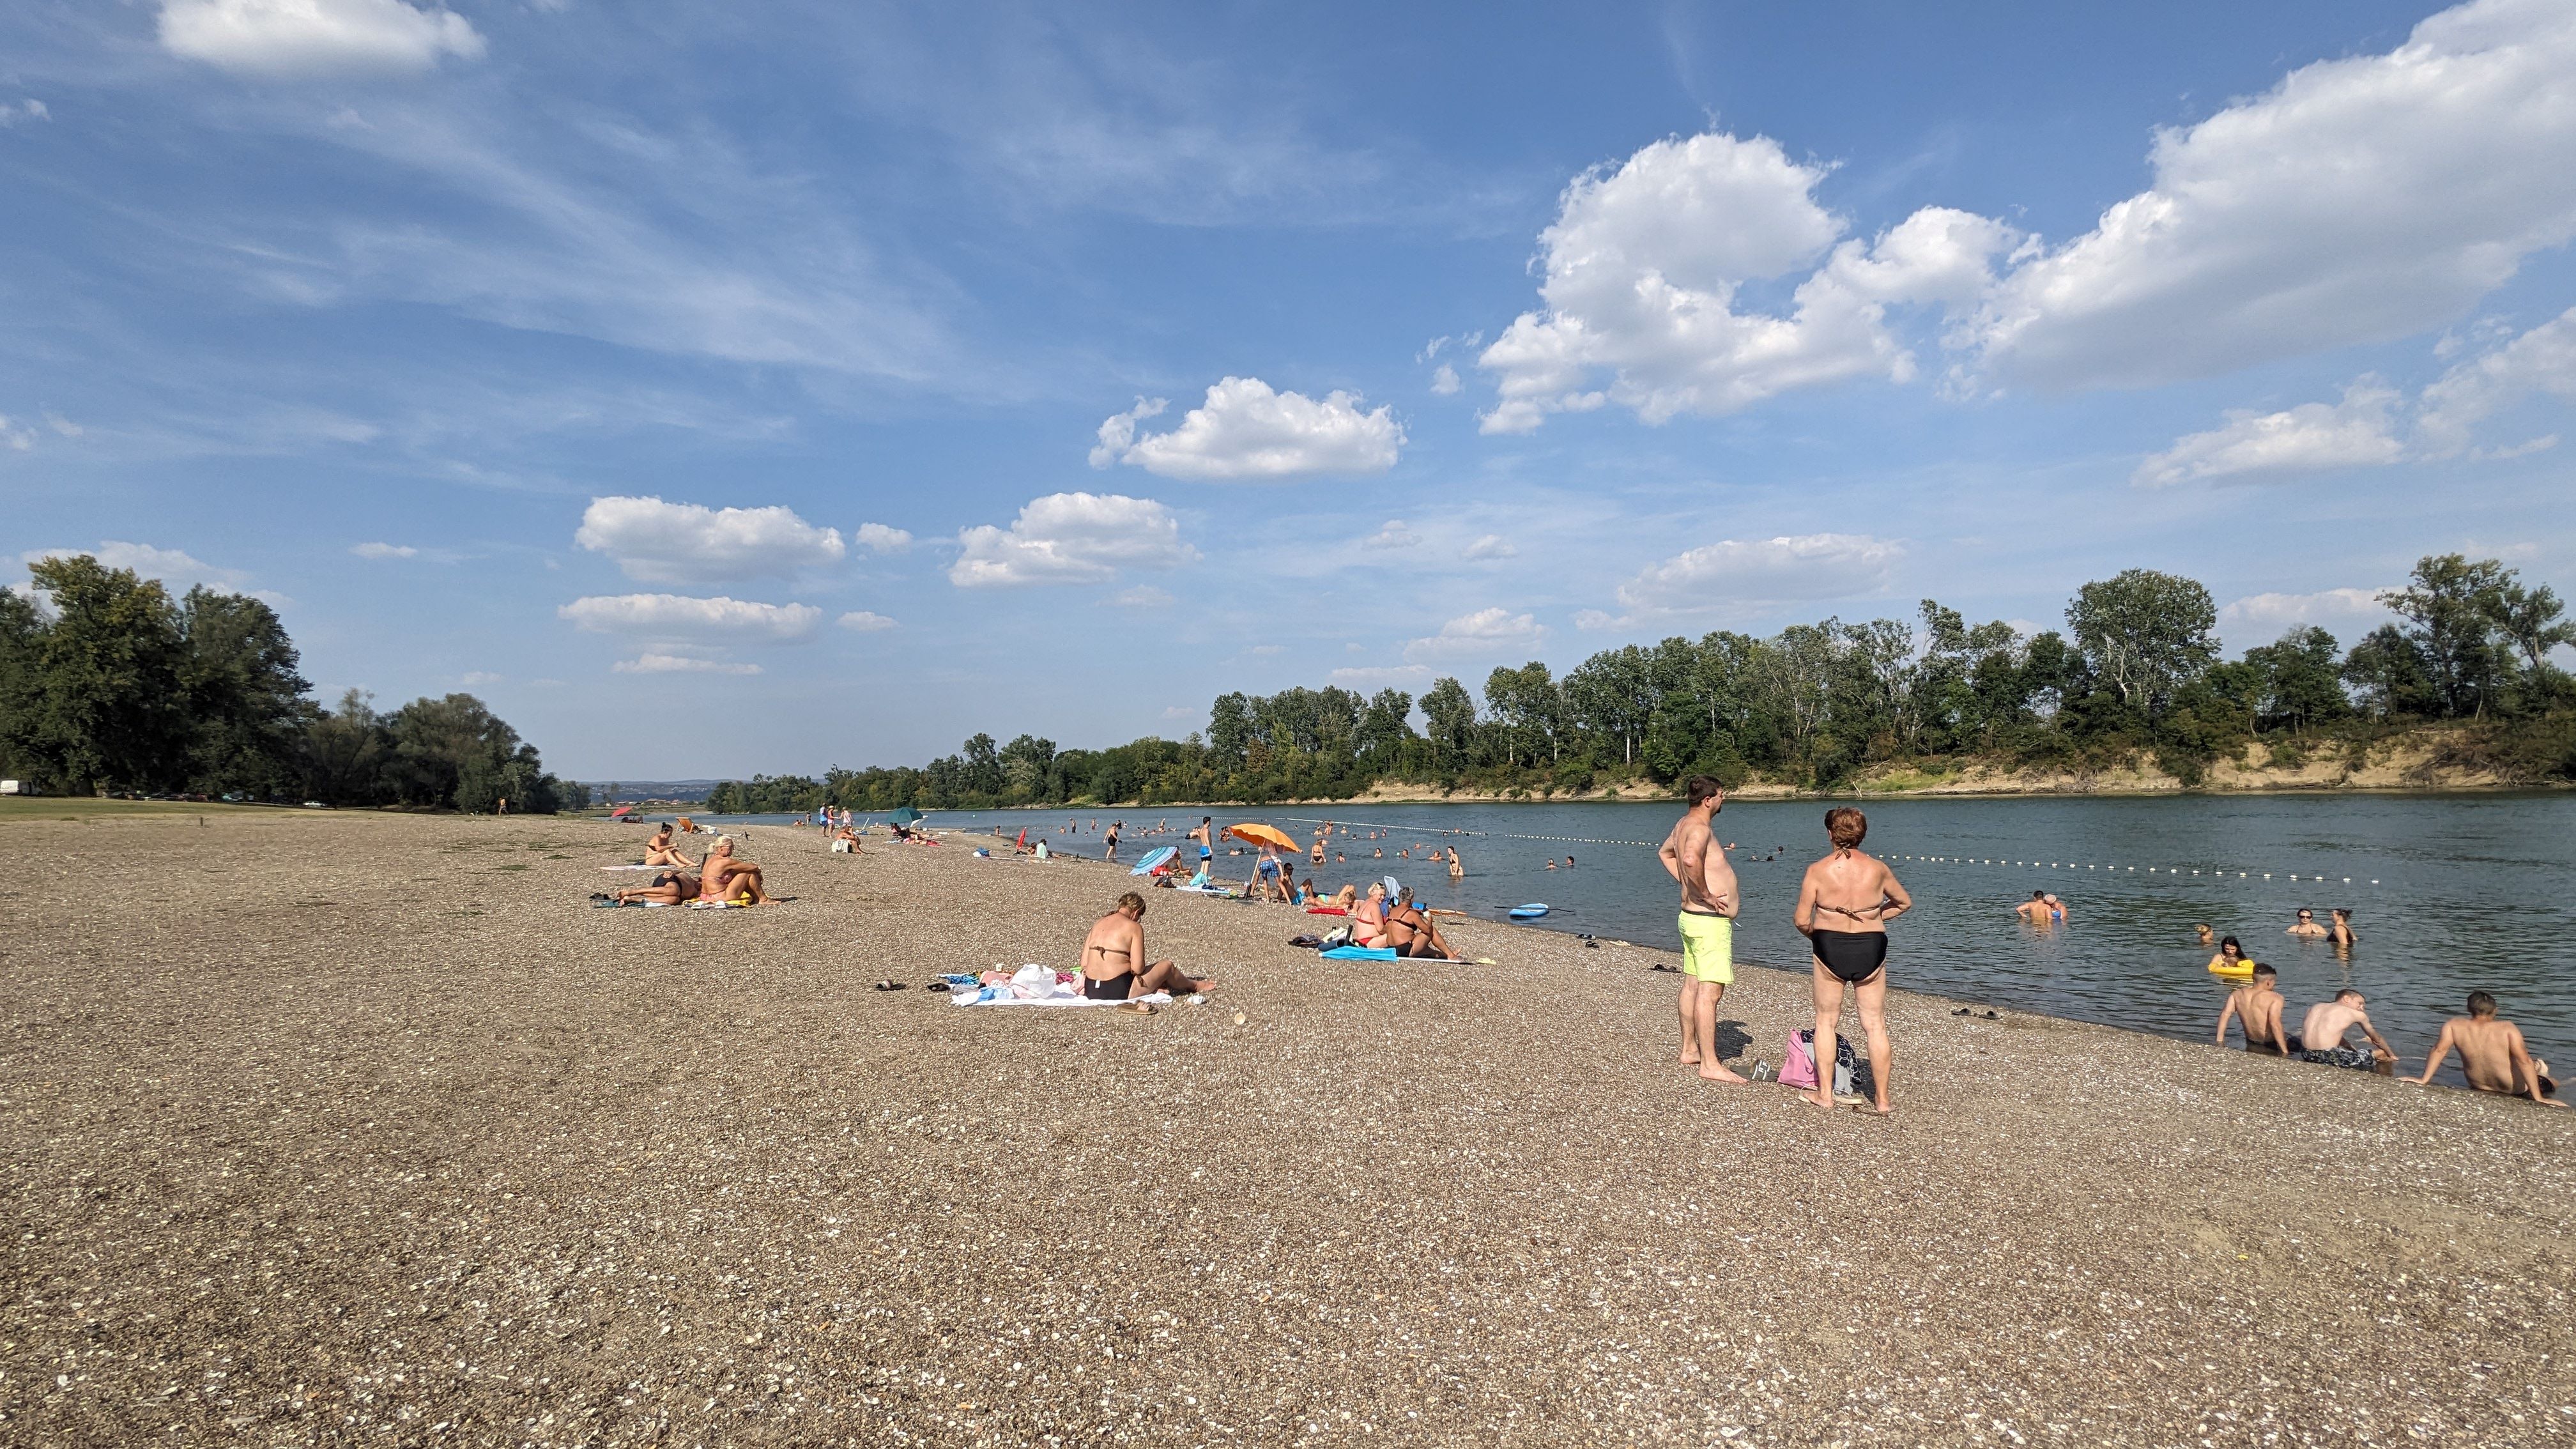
(1368, 918)
(1112, 952)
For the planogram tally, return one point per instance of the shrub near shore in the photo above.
(2459, 683)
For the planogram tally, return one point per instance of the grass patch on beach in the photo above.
(83, 807)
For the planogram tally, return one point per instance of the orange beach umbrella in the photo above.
(1271, 836)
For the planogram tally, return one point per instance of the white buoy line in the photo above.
(2170, 870)
(1450, 831)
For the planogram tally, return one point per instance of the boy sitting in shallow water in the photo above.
(2492, 1055)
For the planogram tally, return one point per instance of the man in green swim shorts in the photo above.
(1709, 903)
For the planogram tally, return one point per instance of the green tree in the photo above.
(243, 695)
(100, 705)
(1451, 714)
(345, 752)
(2298, 682)
(2449, 607)
(2388, 671)
(2145, 634)
(2529, 620)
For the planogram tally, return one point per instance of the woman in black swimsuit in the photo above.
(1859, 895)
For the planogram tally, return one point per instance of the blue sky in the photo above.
(733, 388)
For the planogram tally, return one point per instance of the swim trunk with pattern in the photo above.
(2351, 1058)
(1708, 948)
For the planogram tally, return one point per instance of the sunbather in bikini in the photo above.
(1115, 945)
(1368, 918)
(668, 889)
(660, 851)
(1411, 933)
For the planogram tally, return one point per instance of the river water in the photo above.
(2450, 893)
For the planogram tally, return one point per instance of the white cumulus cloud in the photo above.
(1393, 534)
(1492, 545)
(1759, 571)
(862, 621)
(686, 543)
(1642, 269)
(680, 664)
(291, 37)
(678, 616)
(2358, 432)
(1245, 429)
(1444, 380)
(1484, 632)
(2359, 200)
(881, 539)
(385, 550)
(1071, 538)
(2260, 618)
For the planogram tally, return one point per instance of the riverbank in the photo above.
(346, 1125)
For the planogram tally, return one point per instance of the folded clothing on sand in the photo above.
(1033, 985)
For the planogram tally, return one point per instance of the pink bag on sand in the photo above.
(1798, 1063)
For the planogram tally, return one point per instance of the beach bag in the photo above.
(1798, 1062)
(1798, 1069)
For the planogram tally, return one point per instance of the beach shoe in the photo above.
(1137, 1008)
(890, 986)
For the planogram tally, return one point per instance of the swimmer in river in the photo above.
(2306, 924)
(2258, 1004)
(2230, 958)
(2493, 1055)
(2205, 937)
(2035, 910)
(1456, 870)
(2341, 931)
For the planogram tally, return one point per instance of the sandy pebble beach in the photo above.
(356, 1129)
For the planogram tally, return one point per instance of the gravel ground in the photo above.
(355, 1129)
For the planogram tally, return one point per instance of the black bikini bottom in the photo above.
(1114, 988)
(1852, 955)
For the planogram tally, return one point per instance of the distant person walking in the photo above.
(1110, 852)
(1862, 895)
(1710, 900)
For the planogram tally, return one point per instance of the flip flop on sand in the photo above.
(1660, 966)
(890, 986)
(1140, 1008)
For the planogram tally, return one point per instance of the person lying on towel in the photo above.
(1111, 953)
(670, 888)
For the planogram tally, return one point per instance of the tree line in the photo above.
(109, 684)
(2136, 671)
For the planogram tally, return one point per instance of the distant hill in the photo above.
(649, 790)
